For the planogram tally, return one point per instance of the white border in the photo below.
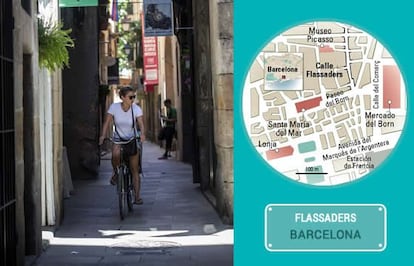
(326, 250)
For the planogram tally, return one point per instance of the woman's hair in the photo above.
(124, 91)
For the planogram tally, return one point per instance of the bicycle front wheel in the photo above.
(130, 192)
(122, 192)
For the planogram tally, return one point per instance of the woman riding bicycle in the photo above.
(121, 115)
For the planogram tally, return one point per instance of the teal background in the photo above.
(257, 184)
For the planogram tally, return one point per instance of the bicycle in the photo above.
(125, 186)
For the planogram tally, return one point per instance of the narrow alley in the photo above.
(52, 117)
(176, 225)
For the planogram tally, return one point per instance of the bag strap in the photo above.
(133, 120)
(132, 113)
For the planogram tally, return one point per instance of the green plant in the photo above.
(131, 36)
(53, 44)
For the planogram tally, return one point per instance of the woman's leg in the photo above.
(133, 165)
(116, 160)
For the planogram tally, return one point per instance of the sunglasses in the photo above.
(132, 97)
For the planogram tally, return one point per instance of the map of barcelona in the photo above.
(324, 103)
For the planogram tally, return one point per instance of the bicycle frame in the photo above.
(123, 166)
(125, 187)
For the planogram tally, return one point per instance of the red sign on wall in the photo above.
(150, 56)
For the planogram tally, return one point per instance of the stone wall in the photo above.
(80, 93)
(203, 94)
(57, 129)
(221, 35)
(213, 85)
(27, 132)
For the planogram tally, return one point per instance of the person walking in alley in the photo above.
(169, 128)
(125, 115)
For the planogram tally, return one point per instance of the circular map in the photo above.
(324, 103)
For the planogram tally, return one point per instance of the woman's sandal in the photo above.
(139, 202)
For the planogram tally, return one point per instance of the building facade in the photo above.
(196, 73)
(30, 130)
